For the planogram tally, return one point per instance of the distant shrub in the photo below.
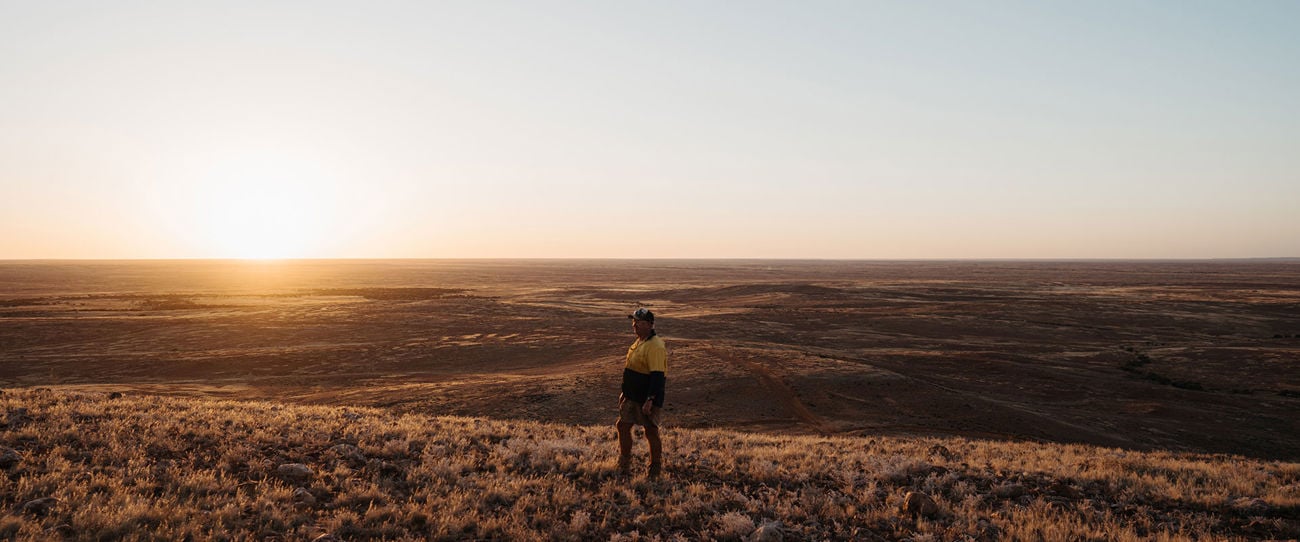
(733, 526)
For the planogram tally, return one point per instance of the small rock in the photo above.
(916, 503)
(17, 418)
(302, 496)
(1009, 491)
(294, 472)
(1252, 504)
(349, 453)
(1066, 490)
(941, 451)
(9, 457)
(115, 395)
(39, 507)
(987, 531)
(768, 532)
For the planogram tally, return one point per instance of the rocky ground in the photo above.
(99, 466)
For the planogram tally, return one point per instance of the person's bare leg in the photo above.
(624, 445)
(656, 448)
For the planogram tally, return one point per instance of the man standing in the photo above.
(642, 400)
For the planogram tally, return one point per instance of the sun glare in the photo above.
(264, 209)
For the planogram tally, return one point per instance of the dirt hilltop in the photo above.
(102, 466)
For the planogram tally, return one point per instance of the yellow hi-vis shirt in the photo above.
(647, 356)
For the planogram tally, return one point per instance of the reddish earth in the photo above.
(1189, 356)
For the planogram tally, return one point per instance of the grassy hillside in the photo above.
(87, 466)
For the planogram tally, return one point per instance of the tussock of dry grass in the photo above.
(175, 469)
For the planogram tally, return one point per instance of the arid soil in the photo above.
(98, 466)
(1182, 356)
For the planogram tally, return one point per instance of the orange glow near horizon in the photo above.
(858, 130)
(261, 209)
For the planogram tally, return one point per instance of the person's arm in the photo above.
(656, 395)
(658, 361)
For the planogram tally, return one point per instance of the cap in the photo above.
(643, 314)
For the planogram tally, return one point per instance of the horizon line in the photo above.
(597, 258)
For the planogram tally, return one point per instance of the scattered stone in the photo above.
(1009, 491)
(1060, 503)
(304, 497)
(916, 503)
(349, 453)
(163, 465)
(39, 507)
(1066, 490)
(115, 395)
(941, 451)
(9, 457)
(1252, 504)
(16, 418)
(986, 531)
(768, 532)
(294, 472)
(415, 447)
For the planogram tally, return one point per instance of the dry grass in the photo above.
(157, 468)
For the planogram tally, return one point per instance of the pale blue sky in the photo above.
(650, 129)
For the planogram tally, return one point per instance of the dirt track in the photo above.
(776, 387)
(1201, 356)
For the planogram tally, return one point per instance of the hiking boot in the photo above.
(656, 470)
(625, 464)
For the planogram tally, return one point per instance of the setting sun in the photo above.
(262, 208)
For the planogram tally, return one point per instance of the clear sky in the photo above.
(620, 129)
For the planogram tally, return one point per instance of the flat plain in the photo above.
(1184, 356)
